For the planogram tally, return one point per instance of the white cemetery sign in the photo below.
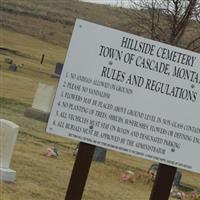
(131, 94)
(8, 136)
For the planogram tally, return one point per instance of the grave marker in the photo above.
(13, 67)
(8, 136)
(42, 102)
(177, 179)
(99, 153)
(58, 70)
(8, 60)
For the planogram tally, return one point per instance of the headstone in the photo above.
(177, 179)
(58, 70)
(13, 67)
(99, 154)
(8, 60)
(42, 102)
(44, 97)
(8, 136)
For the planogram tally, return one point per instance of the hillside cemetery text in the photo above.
(130, 94)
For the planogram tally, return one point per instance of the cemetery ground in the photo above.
(40, 177)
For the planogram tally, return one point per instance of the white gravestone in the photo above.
(8, 136)
(43, 98)
(42, 102)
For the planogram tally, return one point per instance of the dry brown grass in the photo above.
(43, 178)
(22, 84)
(53, 20)
(40, 177)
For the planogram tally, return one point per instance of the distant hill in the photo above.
(53, 20)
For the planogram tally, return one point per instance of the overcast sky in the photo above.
(111, 2)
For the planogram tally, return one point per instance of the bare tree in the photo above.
(172, 21)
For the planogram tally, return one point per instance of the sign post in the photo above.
(80, 171)
(130, 94)
(163, 182)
